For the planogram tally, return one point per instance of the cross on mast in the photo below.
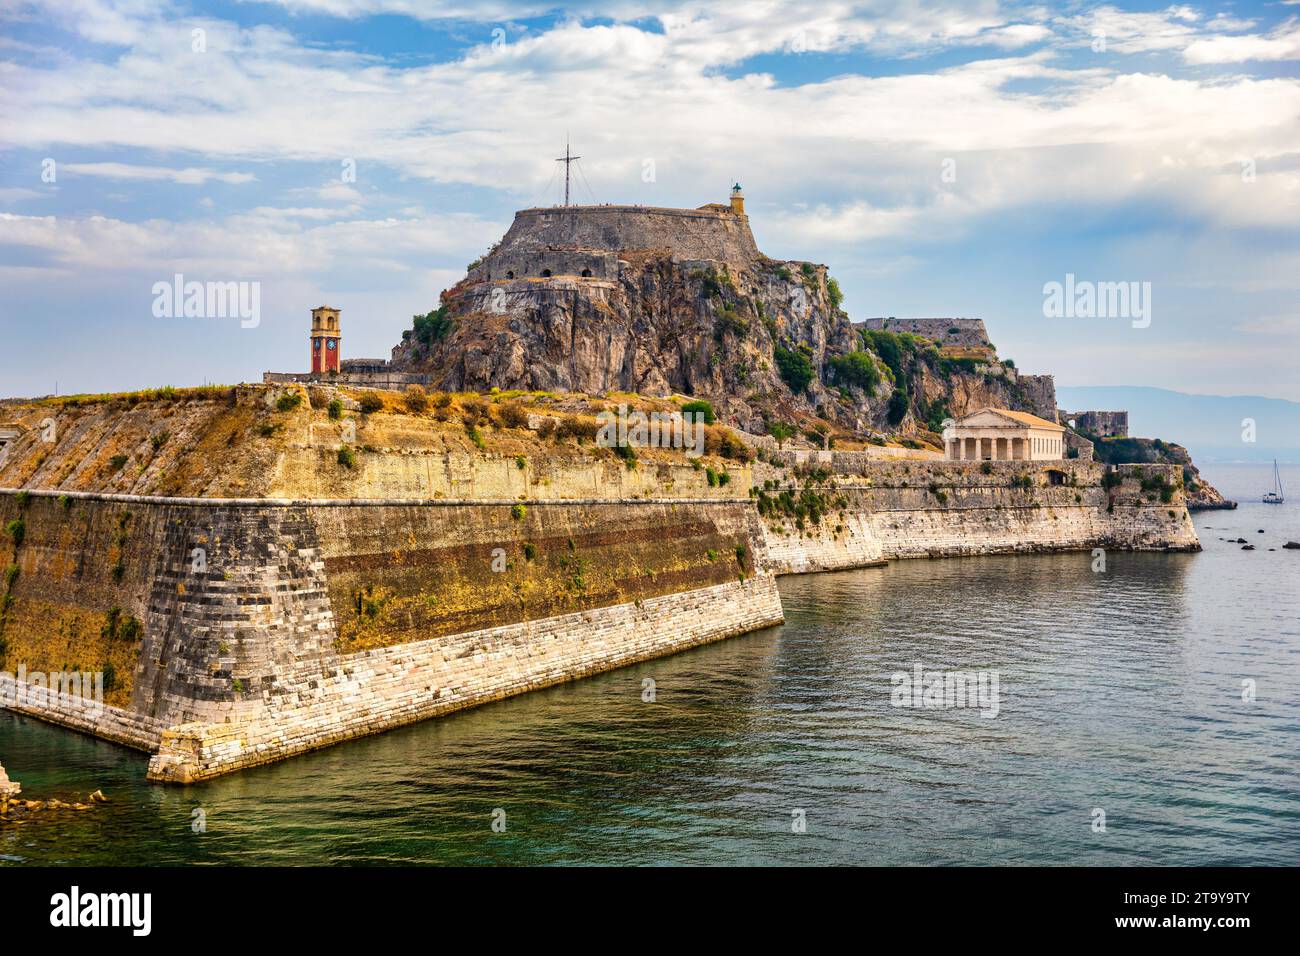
(567, 160)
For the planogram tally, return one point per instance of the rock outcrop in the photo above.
(659, 302)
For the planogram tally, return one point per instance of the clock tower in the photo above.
(325, 338)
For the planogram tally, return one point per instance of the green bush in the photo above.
(857, 368)
(11, 575)
(796, 371)
(117, 462)
(518, 511)
(16, 529)
(335, 409)
(347, 457)
(432, 327)
(530, 551)
(700, 407)
(371, 402)
(834, 294)
(288, 401)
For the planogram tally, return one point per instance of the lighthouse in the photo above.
(737, 200)
(325, 337)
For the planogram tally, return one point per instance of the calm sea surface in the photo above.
(1118, 691)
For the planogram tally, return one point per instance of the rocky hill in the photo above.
(1201, 495)
(670, 301)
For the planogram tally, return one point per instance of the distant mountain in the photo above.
(1209, 426)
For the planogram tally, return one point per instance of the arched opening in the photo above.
(1055, 477)
(546, 273)
(586, 273)
(510, 274)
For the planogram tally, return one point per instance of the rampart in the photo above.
(585, 240)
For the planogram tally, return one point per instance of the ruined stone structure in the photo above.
(1101, 424)
(963, 333)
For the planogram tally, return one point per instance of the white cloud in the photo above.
(190, 176)
(1282, 44)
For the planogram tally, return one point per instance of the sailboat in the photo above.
(1275, 497)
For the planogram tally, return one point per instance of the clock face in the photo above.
(316, 344)
(332, 345)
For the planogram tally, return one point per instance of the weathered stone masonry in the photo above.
(271, 628)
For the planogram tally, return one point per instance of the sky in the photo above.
(943, 158)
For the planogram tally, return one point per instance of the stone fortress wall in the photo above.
(1102, 424)
(894, 510)
(316, 620)
(306, 623)
(964, 333)
(585, 240)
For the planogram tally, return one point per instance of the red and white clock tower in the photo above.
(325, 340)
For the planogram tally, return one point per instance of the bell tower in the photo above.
(325, 340)
(737, 200)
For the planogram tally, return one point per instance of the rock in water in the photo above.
(1292, 546)
(8, 788)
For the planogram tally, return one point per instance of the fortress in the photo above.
(585, 241)
(267, 570)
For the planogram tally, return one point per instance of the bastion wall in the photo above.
(890, 510)
(298, 624)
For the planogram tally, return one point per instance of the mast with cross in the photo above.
(567, 159)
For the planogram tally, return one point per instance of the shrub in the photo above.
(780, 431)
(513, 415)
(834, 294)
(573, 426)
(117, 462)
(473, 411)
(796, 371)
(432, 327)
(371, 402)
(66, 502)
(530, 551)
(546, 427)
(347, 457)
(11, 575)
(517, 512)
(857, 368)
(157, 441)
(335, 409)
(697, 408)
(16, 529)
(472, 432)
(521, 462)
(416, 400)
(741, 551)
(987, 468)
(442, 400)
(288, 401)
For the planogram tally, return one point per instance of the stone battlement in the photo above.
(585, 240)
(964, 333)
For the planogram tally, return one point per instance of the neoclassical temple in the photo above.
(998, 434)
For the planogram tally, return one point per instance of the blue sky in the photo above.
(1103, 140)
